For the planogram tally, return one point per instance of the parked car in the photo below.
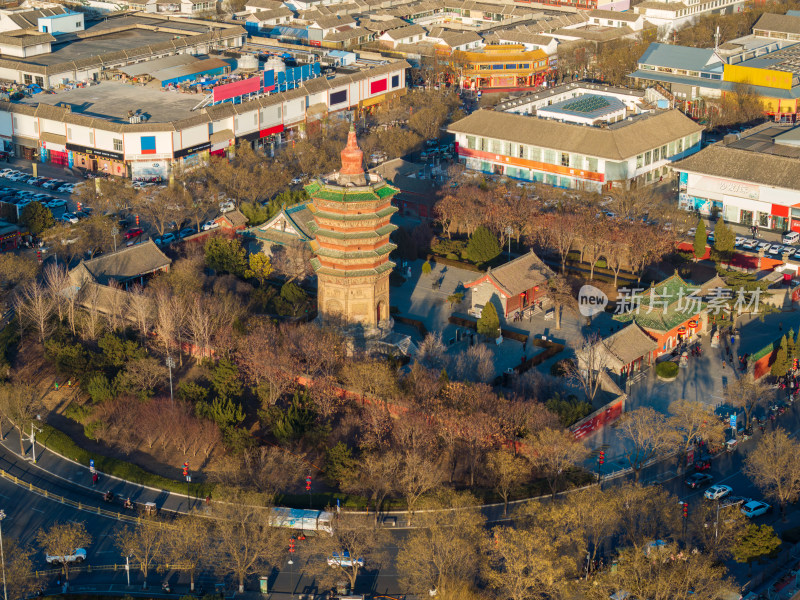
(186, 232)
(729, 501)
(209, 225)
(67, 188)
(755, 508)
(69, 218)
(167, 238)
(750, 244)
(715, 492)
(133, 233)
(697, 479)
(78, 557)
(53, 184)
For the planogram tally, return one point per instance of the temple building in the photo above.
(351, 225)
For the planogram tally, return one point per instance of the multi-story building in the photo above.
(766, 64)
(638, 150)
(752, 179)
(110, 138)
(504, 66)
(674, 14)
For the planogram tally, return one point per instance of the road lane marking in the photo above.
(37, 509)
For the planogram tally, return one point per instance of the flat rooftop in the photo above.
(590, 106)
(112, 100)
(76, 48)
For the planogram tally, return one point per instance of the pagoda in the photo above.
(352, 211)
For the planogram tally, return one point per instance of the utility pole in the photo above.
(170, 366)
(34, 429)
(2, 554)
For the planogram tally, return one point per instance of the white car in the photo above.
(67, 188)
(344, 560)
(18, 176)
(715, 492)
(225, 207)
(755, 508)
(775, 249)
(209, 225)
(78, 556)
(750, 244)
(69, 218)
(692, 232)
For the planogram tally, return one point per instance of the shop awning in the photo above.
(25, 142)
(54, 138)
(221, 136)
(372, 101)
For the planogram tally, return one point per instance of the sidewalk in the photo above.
(60, 475)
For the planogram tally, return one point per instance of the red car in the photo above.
(132, 233)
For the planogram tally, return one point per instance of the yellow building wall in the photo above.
(754, 76)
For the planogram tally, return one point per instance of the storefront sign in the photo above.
(92, 152)
(192, 149)
(716, 186)
(149, 169)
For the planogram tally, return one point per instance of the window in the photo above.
(640, 161)
(471, 142)
(655, 154)
(535, 154)
(483, 144)
(664, 153)
(648, 157)
(550, 157)
(496, 148)
(521, 151)
(117, 145)
(564, 159)
(680, 145)
(591, 164)
(40, 81)
(77, 23)
(27, 78)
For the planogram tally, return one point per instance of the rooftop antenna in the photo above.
(716, 39)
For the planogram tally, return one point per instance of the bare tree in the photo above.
(375, 477)
(746, 393)
(692, 421)
(245, 540)
(506, 473)
(416, 475)
(166, 322)
(272, 470)
(359, 538)
(201, 326)
(648, 434)
(774, 466)
(140, 307)
(34, 305)
(92, 295)
(18, 569)
(431, 352)
(20, 403)
(116, 306)
(61, 539)
(145, 542)
(57, 282)
(189, 543)
(591, 366)
(553, 453)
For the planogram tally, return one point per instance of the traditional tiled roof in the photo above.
(517, 276)
(626, 346)
(124, 264)
(664, 306)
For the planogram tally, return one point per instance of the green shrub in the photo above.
(667, 369)
(426, 268)
(445, 247)
(340, 466)
(569, 410)
(190, 391)
(99, 388)
(78, 412)
(483, 246)
(90, 428)
(67, 358)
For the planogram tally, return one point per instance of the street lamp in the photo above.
(509, 231)
(34, 429)
(115, 233)
(2, 554)
(170, 366)
(128, 569)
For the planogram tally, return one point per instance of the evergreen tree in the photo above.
(700, 237)
(724, 240)
(483, 246)
(757, 542)
(780, 367)
(489, 323)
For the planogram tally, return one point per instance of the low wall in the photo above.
(599, 418)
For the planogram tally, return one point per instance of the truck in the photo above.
(302, 520)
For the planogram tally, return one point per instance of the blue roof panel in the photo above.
(681, 57)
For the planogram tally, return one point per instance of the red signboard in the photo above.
(237, 88)
(271, 130)
(376, 87)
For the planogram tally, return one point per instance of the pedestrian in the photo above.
(723, 364)
(208, 500)
(56, 384)
(94, 478)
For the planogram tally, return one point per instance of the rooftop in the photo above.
(681, 57)
(770, 155)
(113, 99)
(517, 276)
(619, 141)
(124, 264)
(590, 106)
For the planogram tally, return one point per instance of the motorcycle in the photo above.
(128, 505)
(108, 497)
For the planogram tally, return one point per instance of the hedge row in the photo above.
(60, 442)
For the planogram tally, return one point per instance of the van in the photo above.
(791, 238)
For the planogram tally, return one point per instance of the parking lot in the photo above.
(754, 245)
